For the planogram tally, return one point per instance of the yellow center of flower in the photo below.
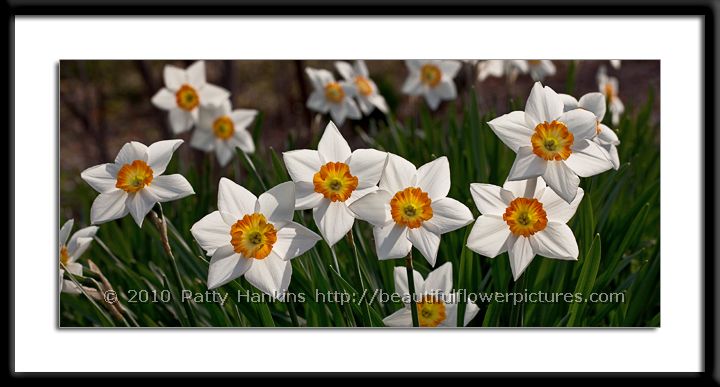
(253, 237)
(525, 217)
(223, 128)
(134, 177)
(334, 92)
(430, 75)
(363, 86)
(64, 256)
(552, 141)
(534, 62)
(335, 182)
(410, 207)
(431, 311)
(609, 91)
(187, 98)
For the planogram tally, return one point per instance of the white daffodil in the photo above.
(432, 79)
(523, 225)
(331, 178)
(499, 68)
(610, 87)
(254, 237)
(605, 137)
(539, 69)
(71, 250)
(331, 95)
(411, 208)
(436, 303)
(222, 129)
(135, 182)
(184, 92)
(365, 91)
(549, 143)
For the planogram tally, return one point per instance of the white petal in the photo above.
(130, 152)
(140, 203)
(243, 117)
(542, 105)
(353, 112)
(207, 116)
(170, 187)
(360, 193)
(367, 165)
(345, 70)
(294, 240)
(164, 99)
(174, 77)
(87, 233)
(334, 220)
(401, 282)
(305, 196)
(589, 160)
(608, 135)
(302, 164)
(270, 275)
(160, 153)
(379, 102)
(426, 241)
(234, 199)
(338, 112)
(332, 145)
(361, 68)
(65, 231)
(450, 68)
(196, 74)
(613, 155)
(226, 265)
(434, 178)
(224, 152)
(557, 209)
(278, 203)
(517, 189)
(401, 318)
(412, 84)
(108, 206)
(101, 177)
(512, 130)
(555, 241)
(74, 268)
(582, 124)
(212, 95)
(203, 140)
(391, 241)
(398, 175)
(562, 180)
(569, 102)
(489, 236)
(440, 280)
(446, 90)
(489, 198)
(521, 254)
(594, 103)
(448, 215)
(243, 140)
(471, 310)
(373, 208)
(527, 165)
(432, 99)
(211, 232)
(316, 101)
(180, 121)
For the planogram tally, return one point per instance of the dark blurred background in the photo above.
(104, 104)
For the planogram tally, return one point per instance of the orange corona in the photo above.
(431, 311)
(411, 207)
(252, 236)
(64, 256)
(552, 141)
(334, 92)
(430, 75)
(187, 98)
(525, 217)
(335, 182)
(363, 85)
(134, 177)
(223, 128)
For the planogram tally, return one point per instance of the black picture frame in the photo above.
(338, 8)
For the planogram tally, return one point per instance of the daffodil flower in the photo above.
(437, 304)
(539, 69)
(550, 143)
(605, 137)
(184, 92)
(499, 68)
(411, 208)
(222, 129)
(135, 182)
(71, 250)
(332, 96)
(432, 79)
(254, 237)
(610, 87)
(331, 178)
(522, 226)
(365, 91)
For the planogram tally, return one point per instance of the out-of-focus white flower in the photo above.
(332, 96)
(135, 182)
(615, 63)
(539, 69)
(436, 303)
(411, 208)
(71, 250)
(522, 226)
(331, 178)
(365, 91)
(549, 143)
(254, 237)
(610, 87)
(184, 92)
(499, 68)
(432, 79)
(222, 129)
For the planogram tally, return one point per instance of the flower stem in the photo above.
(411, 287)
(335, 260)
(254, 170)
